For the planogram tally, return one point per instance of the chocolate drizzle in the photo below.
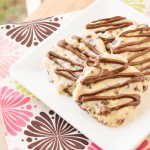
(68, 73)
(143, 37)
(108, 24)
(87, 44)
(132, 77)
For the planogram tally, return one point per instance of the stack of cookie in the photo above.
(106, 69)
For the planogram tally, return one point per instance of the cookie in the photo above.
(109, 89)
(107, 29)
(67, 60)
(134, 44)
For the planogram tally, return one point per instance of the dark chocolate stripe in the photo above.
(140, 62)
(138, 55)
(115, 26)
(105, 110)
(65, 75)
(108, 75)
(70, 48)
(69, 70)
(112, 19)
(132, 43)
(98, 25)
(144, 68)
(107, 40)
(51, 55)
(104, 21)
(79, 39)
(109, 22)
(95, 61)
(122, 50)
(141, 34)
(146, 73)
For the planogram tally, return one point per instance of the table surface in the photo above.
(56, 7)
(48, 8)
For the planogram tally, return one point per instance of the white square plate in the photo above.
(29, 72)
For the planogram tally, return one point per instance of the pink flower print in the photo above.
(94, 147)
(14, 117)
(148, 12)
(143, 145)
(8, 55)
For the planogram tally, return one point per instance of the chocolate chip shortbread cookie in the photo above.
(107, 29)
(109, 89)
(68, 58)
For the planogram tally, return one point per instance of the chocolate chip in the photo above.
(105, 110)
(141, 32)
(66, 90)
(89, 110)
(144, 88)
(72, 65)
(80, 103)
(89, 86)
(88, 36)
(104, 102)
(120, 121)
(108, 49)
(104, 123)
(136, 88)
(51, 81)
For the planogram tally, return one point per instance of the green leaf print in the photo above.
(141, 0)
(148, 137)
(128, 1)
(139, 7)
(136, 4)
(23, 90)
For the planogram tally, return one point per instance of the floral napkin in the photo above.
(29, 124)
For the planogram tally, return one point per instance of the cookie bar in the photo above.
(68, 58)
(107, 29)
(109, 89)
(134, 44)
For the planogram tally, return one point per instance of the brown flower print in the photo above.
(32, 32)
(51, 132)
